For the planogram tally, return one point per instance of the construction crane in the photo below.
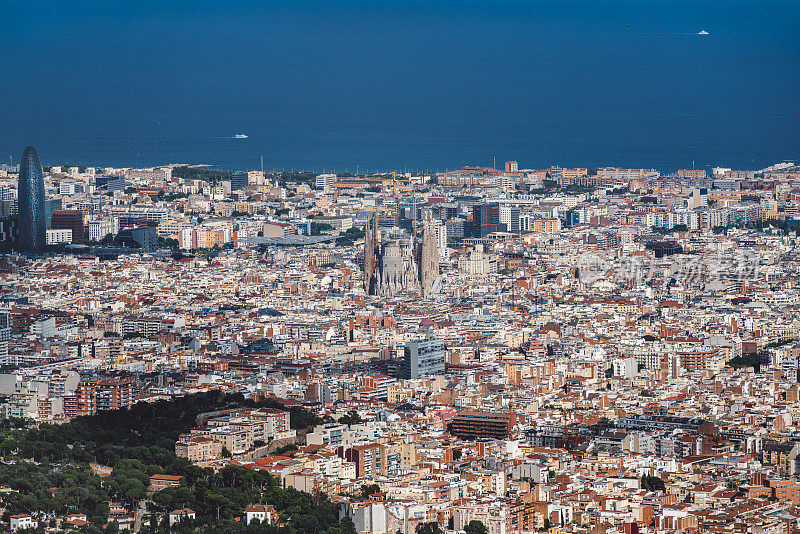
(396, 210)
(414, 207)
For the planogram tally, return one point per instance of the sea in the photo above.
(387, 85)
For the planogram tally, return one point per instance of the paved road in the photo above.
(137, 522)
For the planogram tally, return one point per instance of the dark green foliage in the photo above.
(776, 344)
(653, 483)
(351, 418)
(138, 443)
(168, 242)
(318, 228)
(475, 527)
(299, 417)
(201, 173)
(76, 488)
(664, 230)
(431, 527)
(286, 448)
(752, 359)
(369, 489)
(349, 237)
(222, 496)
(577, 188)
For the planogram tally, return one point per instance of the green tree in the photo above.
(752, 359)
(653, 483)
(475, 527)
(431, 527)
(351, 418)
(369, 489)
(318, 228)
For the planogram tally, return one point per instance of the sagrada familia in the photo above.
(399, 264)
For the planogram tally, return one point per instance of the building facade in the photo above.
(31, 213)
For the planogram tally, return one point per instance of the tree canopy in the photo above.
(48, 467)
(475, 527)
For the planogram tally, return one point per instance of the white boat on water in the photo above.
(702, 32)
(240, 136)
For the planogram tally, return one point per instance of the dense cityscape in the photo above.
(513, 350)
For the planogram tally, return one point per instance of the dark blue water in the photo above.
(388, 85)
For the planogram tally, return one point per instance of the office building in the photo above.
(5, 334)
(9, 233)
(101, 228)
(32, 224)
(51, 205)
(143, 237)
(475, 424)
(325, 181)
(423, 357)
(509, 216)
(239, 180)
(69, 220)
(485, 219)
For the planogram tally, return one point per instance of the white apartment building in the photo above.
(100, 228)
(441, 239)
(56, 236)
(69, 188)
(325, 181)
(170, 227)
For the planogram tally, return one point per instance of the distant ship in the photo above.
(702, 32)
(240, 136)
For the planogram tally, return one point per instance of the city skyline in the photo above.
(424, 267)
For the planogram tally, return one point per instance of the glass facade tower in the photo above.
(30, 201)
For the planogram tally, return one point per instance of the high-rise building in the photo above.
(485, 219)
(51, 205)
(475, 424)
(509, 216)
(325, 181)
(69, 220)
(370, 459)
(5, 335)
(30, 198)
(9, 233)
(423, 357)
(239, 180)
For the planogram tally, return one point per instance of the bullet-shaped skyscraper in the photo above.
(30, 200)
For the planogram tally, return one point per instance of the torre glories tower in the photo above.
(30, 203)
